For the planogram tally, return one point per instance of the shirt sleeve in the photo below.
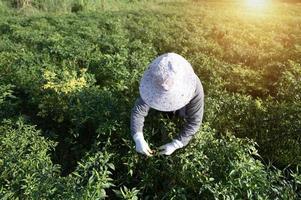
(138, 114)
(193, 115)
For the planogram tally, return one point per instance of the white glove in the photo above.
(169, 148)
(141, 144)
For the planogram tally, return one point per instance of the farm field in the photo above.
(69, 77)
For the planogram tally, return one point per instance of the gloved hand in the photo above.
(169, 148)
(141, 144)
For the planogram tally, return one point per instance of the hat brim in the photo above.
(174, 99)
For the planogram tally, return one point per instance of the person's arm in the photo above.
(138, 114)
(193, 115)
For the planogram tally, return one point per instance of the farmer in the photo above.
(169, 84)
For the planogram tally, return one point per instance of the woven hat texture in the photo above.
(169, 83)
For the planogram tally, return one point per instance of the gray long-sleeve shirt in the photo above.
(193, 114)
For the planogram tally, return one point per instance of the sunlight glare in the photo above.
(256, 4)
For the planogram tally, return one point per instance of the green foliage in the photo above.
(226, 169)
(76, 76)
(3, 8)
(211, 167)
(58, 88)
(91, 177)
(6, 92)
(8, 102)
(266, 121)
(289, 84)
(26, 168)
(125, 193)
(27, 171)
(32, 7)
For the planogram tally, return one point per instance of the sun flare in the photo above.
(256, 4)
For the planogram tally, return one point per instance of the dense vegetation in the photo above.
(69, 78)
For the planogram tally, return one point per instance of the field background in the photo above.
(69, 76)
